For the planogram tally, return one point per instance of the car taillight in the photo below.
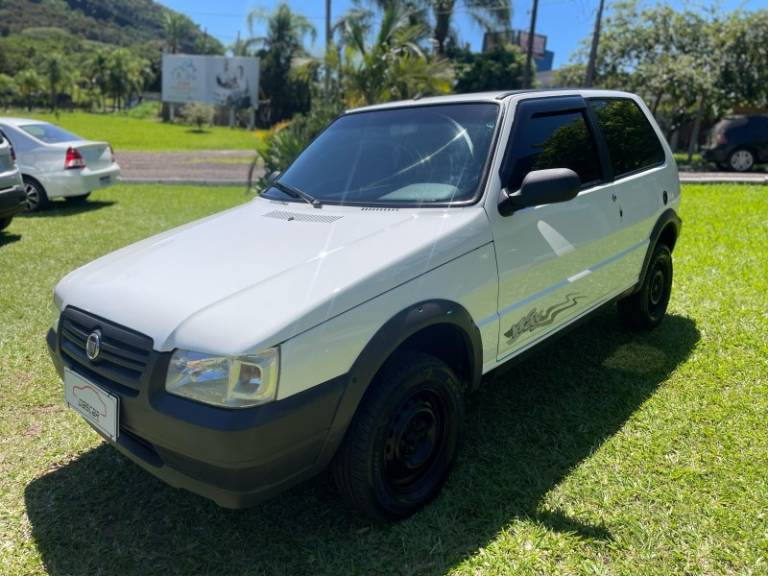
(73, 159)
(720, 138)
(13, 155)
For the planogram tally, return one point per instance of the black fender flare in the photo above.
(383, 344)
(668, 218)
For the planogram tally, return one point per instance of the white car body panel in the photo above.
(242, 280)
(45, 162)
(254, 297)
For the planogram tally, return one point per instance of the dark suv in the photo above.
(738, 143)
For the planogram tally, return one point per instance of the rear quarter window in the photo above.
(631, 140)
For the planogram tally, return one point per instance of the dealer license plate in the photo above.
(93, 403)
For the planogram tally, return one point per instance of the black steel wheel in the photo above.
(403, 439)
(645, 309)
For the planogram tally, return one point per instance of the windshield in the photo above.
(423, 155)
(49, 133)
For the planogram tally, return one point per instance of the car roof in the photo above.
(494, 96)
(20, 121)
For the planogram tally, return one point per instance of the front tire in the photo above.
(741, 160)
(36, 197)
(645, 309)
(403, 439)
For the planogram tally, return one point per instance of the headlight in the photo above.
(234, 382)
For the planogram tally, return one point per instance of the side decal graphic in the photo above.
(536, 319)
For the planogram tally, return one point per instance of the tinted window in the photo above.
(420, 155)
(632, 142)
(49, 133)
(560, 140)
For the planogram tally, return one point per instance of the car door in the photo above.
(549, 256)
(639, 184)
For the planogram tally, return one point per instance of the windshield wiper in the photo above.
(296, 193)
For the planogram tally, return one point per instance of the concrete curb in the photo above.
(702, 178)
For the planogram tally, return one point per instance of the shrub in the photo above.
(286, 140)
(198, 114)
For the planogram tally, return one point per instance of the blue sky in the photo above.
(564, 22)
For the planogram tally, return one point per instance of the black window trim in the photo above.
(553, 106)
(614, 176)
(474, 199)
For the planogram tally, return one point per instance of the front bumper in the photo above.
(234, 457)
(11, 201)
(718, 155)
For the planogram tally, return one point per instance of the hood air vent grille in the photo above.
(300, 217)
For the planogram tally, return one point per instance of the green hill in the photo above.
(30, 28)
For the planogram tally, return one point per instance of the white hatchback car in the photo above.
(340, 318)
(56, 163)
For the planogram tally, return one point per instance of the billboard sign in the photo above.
(218, 80)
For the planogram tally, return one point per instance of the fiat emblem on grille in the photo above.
(93, 345)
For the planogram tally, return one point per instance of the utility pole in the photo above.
(590, 77)
(328, 40)
(527, 81)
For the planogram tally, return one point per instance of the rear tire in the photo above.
(403, 440)
(645, 309)
(37, 199)
(77, 199)
(741, 160)
(5, 222)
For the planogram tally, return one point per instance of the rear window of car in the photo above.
(49, 133)
(631, 140)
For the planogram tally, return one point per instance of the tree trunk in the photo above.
(656, 103)
(693, 145)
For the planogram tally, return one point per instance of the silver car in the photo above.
(56, 163)
(11, 190)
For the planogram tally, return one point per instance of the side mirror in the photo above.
(541, 187)
(274, 176)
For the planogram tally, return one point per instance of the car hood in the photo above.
(260, 273)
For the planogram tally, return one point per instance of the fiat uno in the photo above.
(340, 318)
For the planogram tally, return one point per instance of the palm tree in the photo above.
(55, 70)
(394, 66)
(490, 14)
(177, 26)
(29, 83)
(280, 48)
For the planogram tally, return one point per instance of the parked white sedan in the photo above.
(56, 163)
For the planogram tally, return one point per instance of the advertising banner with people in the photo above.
(217, 80)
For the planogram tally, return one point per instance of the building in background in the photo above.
(541, 56)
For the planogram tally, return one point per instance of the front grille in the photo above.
(124, 352)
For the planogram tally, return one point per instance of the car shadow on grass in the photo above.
(526, 430)
(59, 208)
(8, 238)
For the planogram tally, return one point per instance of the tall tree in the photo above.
(177, 27)
(394, 65)
(54, 69)
(280, 49)
(30, 84)
(490, 14)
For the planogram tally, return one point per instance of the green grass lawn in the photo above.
(146, 135)
(606, 453)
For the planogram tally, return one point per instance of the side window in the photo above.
(632, 142)
(552, 140)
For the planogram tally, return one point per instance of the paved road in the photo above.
(231, 167)
(204, 167)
